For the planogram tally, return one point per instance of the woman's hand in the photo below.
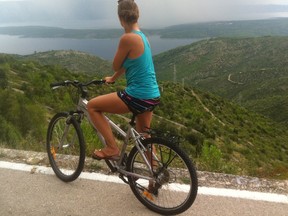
(112, 79)
(109, 80)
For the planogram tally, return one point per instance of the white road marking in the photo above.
(252, 195)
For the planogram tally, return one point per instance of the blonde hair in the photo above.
(128, 11)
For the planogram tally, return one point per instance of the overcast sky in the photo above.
(153, 13)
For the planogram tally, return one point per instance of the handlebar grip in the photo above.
(99, 82)
(58, 84)
(104, 81)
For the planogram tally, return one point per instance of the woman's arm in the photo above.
(123, 50)
(117, 74)
(121, 54)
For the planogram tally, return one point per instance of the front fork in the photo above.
(76, 115)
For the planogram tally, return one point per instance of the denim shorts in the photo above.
(138, 106)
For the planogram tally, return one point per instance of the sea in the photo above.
(103, 48)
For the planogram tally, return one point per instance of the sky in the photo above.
(153, 13)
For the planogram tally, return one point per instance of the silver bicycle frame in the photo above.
(130, 134)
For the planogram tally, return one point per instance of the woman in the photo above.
(134, 59)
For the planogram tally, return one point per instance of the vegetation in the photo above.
(219, 135)
(244, 28)
(249, 71)
(74, 61)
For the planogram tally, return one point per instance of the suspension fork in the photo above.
(65, 132)
(66, 129)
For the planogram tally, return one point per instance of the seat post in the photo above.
(132, 121)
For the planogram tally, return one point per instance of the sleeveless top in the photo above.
(140, 73)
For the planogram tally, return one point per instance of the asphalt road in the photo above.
(24, 193)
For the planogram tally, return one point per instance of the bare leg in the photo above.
(109, 103)
(143, 122)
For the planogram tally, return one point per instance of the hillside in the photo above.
(74, 61)
(233, 28)
(219, 135)
(250, 71)
(56, 32)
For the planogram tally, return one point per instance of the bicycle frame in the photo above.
(130, 134)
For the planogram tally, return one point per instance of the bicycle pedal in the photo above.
(123, 179)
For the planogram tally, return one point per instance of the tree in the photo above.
(3, 78)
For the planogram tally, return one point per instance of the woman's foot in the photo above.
(105, 153)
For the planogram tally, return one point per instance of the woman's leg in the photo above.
(143, 121)
(109, 103)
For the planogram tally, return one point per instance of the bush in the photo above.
(9, 135)
(211, 157)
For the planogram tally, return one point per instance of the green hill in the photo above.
(74, 61)
(219, 135)
(233, 28)
(250, 71)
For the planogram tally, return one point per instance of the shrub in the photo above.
(211, 157)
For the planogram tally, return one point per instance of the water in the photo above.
(104, 48)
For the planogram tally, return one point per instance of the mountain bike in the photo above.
(159, 172)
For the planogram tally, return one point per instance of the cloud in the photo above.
(153, 13)
(78, 9)
(54, 12)
(187, 11)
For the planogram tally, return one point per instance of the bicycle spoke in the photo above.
(66, 148)
(174, 185)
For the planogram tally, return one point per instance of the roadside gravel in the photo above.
(206, 179)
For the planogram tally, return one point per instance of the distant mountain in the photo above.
(250, 71)
(244, 28)
(234, 28)
(56, 32)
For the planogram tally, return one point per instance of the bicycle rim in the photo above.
(175, 181)
(65, 147)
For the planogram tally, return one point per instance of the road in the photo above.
(34, 193)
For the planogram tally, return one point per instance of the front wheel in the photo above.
(65, 147)
(171, 186)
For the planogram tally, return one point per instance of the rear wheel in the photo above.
(173, 186)
(65, 147)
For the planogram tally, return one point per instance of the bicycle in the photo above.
(159, 172)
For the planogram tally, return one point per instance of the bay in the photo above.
(104, 48)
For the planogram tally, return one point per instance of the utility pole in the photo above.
(175, 74)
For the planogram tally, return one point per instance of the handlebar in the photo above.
(76, 83)
(80, 86)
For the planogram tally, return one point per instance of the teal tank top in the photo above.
(140, 74)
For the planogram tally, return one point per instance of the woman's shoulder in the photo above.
(130, 37)
(134, 43)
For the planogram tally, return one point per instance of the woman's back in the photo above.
(140, 72)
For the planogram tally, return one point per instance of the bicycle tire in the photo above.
(177, 183)
(68, 160)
